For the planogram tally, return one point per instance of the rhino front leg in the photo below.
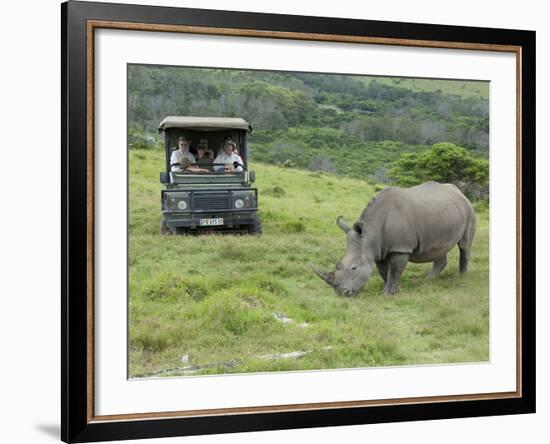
(383, 269)
(397, 263)
(438, 265)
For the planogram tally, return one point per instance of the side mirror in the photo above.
(164, 177)
(252, 176)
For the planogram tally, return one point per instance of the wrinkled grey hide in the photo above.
(417, 224)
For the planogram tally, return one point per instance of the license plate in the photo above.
(211, 222)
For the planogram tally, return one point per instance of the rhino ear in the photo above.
(360, 229)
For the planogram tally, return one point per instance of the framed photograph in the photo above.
(276, 221)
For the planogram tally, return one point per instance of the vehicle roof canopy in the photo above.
(204, 123)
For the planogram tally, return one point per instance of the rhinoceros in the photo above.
(418, 224)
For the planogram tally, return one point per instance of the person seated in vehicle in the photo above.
(228, 156)
(180, 153)
(203, 142)
(205, 157)
(225, 139)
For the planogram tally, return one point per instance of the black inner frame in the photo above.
(74, 424)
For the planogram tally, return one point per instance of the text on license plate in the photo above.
(212, 221)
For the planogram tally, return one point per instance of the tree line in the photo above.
(352, 125)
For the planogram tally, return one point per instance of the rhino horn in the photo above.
(343, 225)
(327, 277)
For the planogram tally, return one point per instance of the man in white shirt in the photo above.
(227, 158)
(180, 153)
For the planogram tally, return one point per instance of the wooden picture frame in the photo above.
(79, 22)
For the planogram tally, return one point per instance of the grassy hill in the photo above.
(218, 302)
(461, 88)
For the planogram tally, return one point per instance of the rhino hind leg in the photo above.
(465, 246)
(397, 263)
(383, 269)
(464, 259)
(438, 265)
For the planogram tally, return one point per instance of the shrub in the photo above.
(139, 140)
(322, 163)
(445, 163)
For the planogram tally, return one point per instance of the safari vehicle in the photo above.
(215, 199)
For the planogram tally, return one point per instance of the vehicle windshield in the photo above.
(219, 154)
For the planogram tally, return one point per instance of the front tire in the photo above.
(255, 228)
(164, 229)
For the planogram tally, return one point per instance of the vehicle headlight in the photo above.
(239, 203)
(182, 205)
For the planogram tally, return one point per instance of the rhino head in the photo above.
(355, 268)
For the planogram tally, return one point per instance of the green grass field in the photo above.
(212, 298)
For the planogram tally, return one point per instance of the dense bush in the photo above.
(328, 149)
(446, 163)
(140, 140)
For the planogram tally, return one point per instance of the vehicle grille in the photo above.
(211, 202)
